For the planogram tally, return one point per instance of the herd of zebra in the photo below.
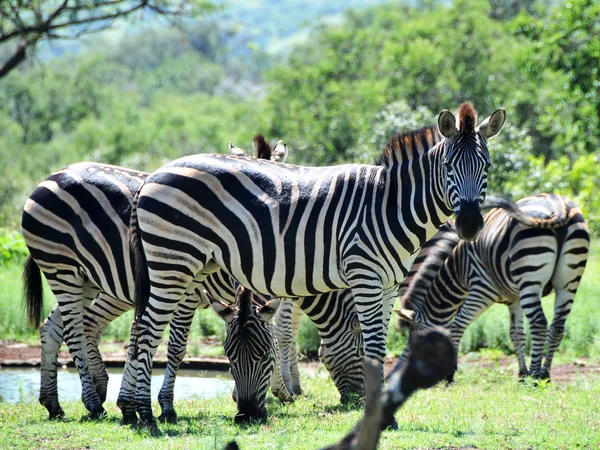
(257, 239)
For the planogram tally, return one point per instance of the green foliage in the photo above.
(564, 51)
(12, 247)
(308, 337)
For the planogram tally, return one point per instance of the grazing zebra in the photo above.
(292, 231)
(252, 362)
(341, 349)
(524, 252)
(75, 225)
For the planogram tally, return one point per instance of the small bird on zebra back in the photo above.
(291, 231)
(524, 252)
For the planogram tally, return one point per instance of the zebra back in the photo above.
(556, 217)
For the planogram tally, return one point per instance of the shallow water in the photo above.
(23, 384)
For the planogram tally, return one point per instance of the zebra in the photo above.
(75, 225)
(291, 231)
(341, 349)
(252, 362)
(524, 252)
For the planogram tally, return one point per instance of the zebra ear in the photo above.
(492, 125)
(227, 313)
(447, 124)
(280, 152)
(406, 315)
(268, 310)
(236, 151)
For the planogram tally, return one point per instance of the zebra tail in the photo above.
(516, 213)
(33, 291)
(139, 263)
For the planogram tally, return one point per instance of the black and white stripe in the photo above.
(524, 252)
(292, 231)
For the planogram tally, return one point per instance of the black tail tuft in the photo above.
(139, 264)
(33, 291)
(262, 149)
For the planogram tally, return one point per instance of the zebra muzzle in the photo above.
(469, 220)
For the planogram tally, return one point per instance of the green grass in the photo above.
(486, 408)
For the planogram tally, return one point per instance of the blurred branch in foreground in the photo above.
(27, 22)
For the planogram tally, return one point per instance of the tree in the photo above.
(24, 23)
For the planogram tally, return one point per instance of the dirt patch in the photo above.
(18, 354)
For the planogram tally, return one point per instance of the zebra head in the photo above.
(251, 349)
(466, 164)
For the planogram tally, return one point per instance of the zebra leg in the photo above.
(531, 302)
(294, 370)
(180, 330)
(517, 336)
(285, 342)
(473, 307)
(278, 386)
(562, 308)
(158, 314)
(374, 308)
(51, 334)
(101, 312)
(125, 400)
(72, 299)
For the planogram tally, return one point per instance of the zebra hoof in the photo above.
(523, 376)
(129, 418)
(544, 374)
(56, 414)
(393, 426)
(168, 416)
(154, 430)
(298, 390)
(98, 413)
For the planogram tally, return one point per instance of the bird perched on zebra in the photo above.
(75, 225)
(524, 252)
(292, 231)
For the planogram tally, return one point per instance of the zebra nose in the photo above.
(250, 411)
(246, 417)
(469, 220)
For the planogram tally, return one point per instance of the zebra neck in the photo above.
(448, 289)
(416, 201)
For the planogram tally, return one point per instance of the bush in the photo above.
(12, 247)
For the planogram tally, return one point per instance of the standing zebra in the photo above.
(341, 349)
(75, 225)
(524, 252)
(294, 231)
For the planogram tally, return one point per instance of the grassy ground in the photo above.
(486, 408)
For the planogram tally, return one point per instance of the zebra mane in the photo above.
(407, 145)
(244, 308)
(262, 149)
(467, 118)
(441, 246)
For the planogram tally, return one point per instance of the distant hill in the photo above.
(269, 25)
